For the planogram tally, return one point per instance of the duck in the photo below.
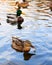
(20, 45)
(22, 4)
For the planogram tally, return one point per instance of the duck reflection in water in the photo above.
(27, 56)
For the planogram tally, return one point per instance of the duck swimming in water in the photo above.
(21, 46)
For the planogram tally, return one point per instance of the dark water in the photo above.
(39, 32)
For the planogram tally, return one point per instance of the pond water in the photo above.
(37, 28)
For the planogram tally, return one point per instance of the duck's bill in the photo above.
(32, 46)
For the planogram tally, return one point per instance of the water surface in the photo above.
(36, 28)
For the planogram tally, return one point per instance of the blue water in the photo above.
(37, 31)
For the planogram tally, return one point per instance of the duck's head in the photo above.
(27, 43)
(27, 46)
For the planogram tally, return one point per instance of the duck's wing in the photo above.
(19, 43)
(20, 40)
